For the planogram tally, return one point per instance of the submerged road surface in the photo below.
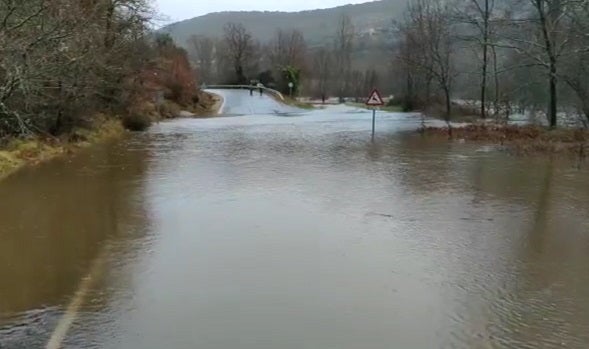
(241, 102)
(282, 229)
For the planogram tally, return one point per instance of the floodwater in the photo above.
(283, 230)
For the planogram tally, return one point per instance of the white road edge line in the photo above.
(71, 313)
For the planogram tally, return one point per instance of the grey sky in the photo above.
(175, 10)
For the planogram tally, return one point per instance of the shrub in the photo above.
(169, 110)
(175, 91)
(407, 104)
(136, 122)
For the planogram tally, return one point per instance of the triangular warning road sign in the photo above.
(375, 99)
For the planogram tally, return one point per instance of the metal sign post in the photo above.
(374, 100)
(373, 121)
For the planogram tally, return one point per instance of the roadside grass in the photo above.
(16, 153)
(8, 162)
(19, 152)
(295, 103)
(522, 140)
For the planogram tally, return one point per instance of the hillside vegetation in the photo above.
(317, 25)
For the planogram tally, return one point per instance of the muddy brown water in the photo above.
(295, 232)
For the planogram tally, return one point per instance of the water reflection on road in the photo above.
(296, 232)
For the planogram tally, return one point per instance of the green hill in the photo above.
(317, 25)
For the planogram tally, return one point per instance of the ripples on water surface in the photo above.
(296, 232)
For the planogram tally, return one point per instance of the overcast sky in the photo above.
(175, 10)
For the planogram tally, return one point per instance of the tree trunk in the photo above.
(496, 76)
(553, 96)
(409, 98)
(484, 85)
(239, 74)
(586, 110)
(428, 84)
(448, 104)
(58, 124)
(485, 60)
(576, 84)
(108, 34)
(550, 52)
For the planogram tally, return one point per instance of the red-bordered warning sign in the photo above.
(374, 99)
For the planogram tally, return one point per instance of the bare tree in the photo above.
(357, 89)
(406, 54)
(478, 14)
(240, 47)
(288, 52)
(322, 67)
(545, 42)
(44, 59)
(530, 45)
(576, 65)
(62, 60)
(428, 46)
(549, 17)
(288, 48)
(202, 50)
(343, 47)
(370, 80)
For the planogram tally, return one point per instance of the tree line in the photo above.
(503, 56)
(324, 70)
(517, 55)
(64, 61)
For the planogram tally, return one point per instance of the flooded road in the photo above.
(286, 231)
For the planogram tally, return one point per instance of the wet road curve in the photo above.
(266, 231)
(241, 102)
